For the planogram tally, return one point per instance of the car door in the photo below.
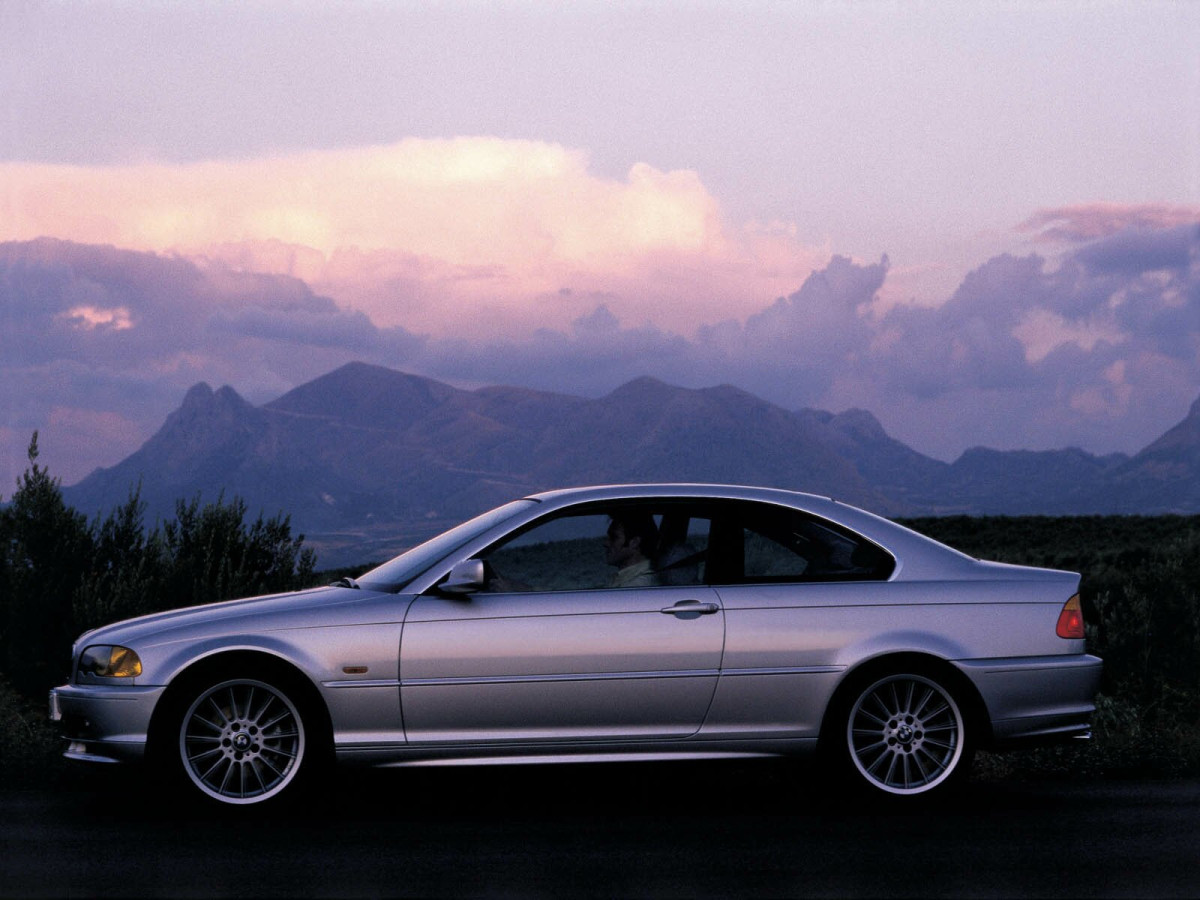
(555, 652)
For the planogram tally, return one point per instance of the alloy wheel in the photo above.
(242, 741)
(905, 734)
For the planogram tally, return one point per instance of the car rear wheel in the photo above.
(243, 741)
(905, 735)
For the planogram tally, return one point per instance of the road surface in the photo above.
(646, 830)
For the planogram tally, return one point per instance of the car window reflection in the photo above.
(610, 548)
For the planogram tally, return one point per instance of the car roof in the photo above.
(826, 506)
(669, 489)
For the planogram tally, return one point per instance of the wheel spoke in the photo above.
(209, 771)
(225, 780)
(908, 697)
(887, 711)
(863, 749)
(203, 721)
(206, 753)
(245, 714)
(266, 762)
(220, 712)
(919, 709)
(916, 758)
(890, 777)
(262, 711)
(866, 713)
(938, 762)
(204, 738)
(943, 710)
(262, 785)
(285, 714)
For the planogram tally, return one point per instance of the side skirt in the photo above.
(542, 754)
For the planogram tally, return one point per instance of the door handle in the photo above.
(690, 609)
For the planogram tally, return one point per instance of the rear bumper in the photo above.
(1037, 700)
(104, 724)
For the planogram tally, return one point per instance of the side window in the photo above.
(775, 545)
(563, 554)
(771, 558)
(626, 546)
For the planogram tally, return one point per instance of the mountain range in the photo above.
(367, 460)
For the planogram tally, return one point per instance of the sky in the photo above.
(979, 221)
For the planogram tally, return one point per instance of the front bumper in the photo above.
(103, 723)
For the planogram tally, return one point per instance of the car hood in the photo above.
(264, 611)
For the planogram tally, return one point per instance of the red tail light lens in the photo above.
(1070, 620)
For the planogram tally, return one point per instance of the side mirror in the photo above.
(466, 577)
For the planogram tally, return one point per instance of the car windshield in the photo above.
(394, 574)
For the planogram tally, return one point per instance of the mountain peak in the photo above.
(366, 396)
(861, 424)
(642, 385)
(202, 400)
(1182, 441)
(198, 395)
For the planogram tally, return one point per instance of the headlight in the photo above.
(110, 662)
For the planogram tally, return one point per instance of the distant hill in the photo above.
(368, 460)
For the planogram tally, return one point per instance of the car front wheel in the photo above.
(242, 741)
(906, 735)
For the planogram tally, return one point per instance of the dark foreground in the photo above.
(650, 830)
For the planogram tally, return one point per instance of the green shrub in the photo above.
(29, 743)
(60, 575)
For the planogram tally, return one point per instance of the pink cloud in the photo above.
(1075, 224)
(435, 235)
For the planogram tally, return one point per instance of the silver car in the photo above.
(607, 623)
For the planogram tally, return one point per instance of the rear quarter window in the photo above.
(768, 544)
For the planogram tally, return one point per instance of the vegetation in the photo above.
(61, 574)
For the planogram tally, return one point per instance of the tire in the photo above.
(243, 741)
(904, 734)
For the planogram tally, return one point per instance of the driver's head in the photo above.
(632, 537)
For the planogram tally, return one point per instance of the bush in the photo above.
(46, 549)
(29, 744)
(60, 575)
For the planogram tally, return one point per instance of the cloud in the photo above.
(1088, 349)
(1099, 347)
(1136, 250)
(443, 236)
(1087, 222)
(99, 344)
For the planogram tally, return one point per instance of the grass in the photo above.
(29, 743)
(1126, 743)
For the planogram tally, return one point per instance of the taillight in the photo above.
(1070, 620)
